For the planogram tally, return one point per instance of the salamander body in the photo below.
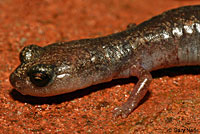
(167, 40)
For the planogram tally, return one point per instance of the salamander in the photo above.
(167, 40)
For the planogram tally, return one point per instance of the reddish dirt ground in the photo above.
(173, 101)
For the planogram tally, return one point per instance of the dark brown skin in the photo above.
(167, 40)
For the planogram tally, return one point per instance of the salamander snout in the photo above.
(16, 82)
(13, 80)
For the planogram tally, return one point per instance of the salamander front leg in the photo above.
(137, 94)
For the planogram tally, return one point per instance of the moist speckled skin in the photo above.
(167, 40)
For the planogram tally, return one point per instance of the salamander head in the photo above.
(46, 71)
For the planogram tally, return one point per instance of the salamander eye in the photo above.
(40, 79)
(41, 75)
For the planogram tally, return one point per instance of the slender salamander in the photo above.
(167, 40)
